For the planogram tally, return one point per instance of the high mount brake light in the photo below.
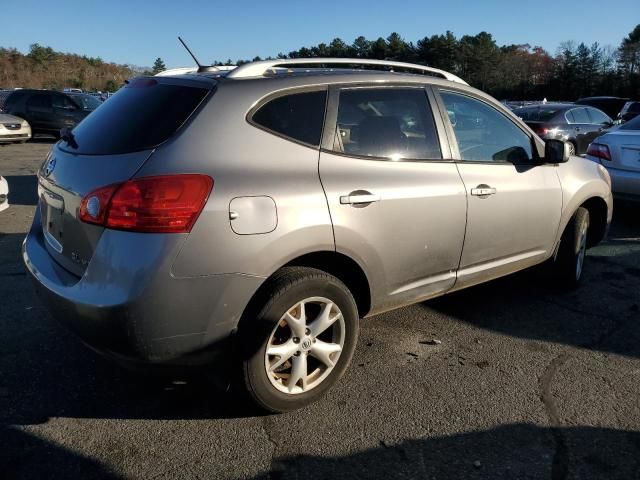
(162, 204)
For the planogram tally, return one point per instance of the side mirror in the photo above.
(556, 151)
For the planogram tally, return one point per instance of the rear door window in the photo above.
(62, 101)
(598, 117)
(141, 116)
(394, 123)
(40, 102)
(580, 115)
(298, 116)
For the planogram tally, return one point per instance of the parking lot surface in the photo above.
(527, 382)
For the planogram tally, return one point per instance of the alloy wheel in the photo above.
(305, 345)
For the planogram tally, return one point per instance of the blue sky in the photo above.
(137, 32)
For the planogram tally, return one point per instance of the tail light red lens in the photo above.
(599, 150)
(541, 131)
(163, 204)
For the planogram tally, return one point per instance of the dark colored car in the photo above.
(46, 111)
(575, 124)
(630, 111)
(609, 105)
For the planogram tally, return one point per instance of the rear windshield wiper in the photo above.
(67, 136)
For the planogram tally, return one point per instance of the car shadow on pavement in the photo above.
(515, 451)
(602, 314)
(25, 456)
(23, 189)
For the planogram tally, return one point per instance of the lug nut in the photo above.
(307, 331)
(297, 354)
(296, 340)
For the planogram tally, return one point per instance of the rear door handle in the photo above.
(359, 198)
(483, 191)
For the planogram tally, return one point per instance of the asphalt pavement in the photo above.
(527, 382)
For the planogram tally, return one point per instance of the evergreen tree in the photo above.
(158, 66)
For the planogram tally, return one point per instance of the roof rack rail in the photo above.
(264, 67)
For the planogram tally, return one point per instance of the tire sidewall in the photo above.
(256, 379)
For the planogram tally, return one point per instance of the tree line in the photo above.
(521, 72)
(43, 67)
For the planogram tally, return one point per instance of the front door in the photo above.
(514, 203)
(397, 202)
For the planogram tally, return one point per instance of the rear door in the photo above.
(397, 202)
(580, 128)
(514, 203)
(66, 112)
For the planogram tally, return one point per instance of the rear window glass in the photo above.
(536, 114)
(140, 116)
(298, 116)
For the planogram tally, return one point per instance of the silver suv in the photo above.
(258, 214)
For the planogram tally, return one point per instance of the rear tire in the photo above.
(301, 340)
(568, 266)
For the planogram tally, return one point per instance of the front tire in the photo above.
(300, 342)
(568, 265)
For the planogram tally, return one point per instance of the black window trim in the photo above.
(536, 148)
(283, 93)
(332, 120)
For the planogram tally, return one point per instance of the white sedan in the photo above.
(619, 151)
(4, 194)
(13, 129)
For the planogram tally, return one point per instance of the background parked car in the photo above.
(609, 105)
(4, 194)
(13, 129)
(46, 111)
(575, 124)
(630, 111)
(619, 151)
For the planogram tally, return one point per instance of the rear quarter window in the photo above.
(141, 116)
(297, 116)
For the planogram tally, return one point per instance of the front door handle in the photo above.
(483, 191)
(358, 198)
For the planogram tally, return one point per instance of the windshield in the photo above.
(87, 102)
(142, 115)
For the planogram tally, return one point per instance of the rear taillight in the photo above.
(599, 150)
(163, 204)
(541, 131)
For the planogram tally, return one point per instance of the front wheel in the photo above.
(568, 265)
(301, 341)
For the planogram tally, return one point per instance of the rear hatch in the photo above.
(624, 145)
(109, 147)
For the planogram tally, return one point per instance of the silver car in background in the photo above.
(619, 151)
(247, 219)
(13, 129)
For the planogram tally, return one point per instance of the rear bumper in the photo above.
(625, 184)
(127, 305)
